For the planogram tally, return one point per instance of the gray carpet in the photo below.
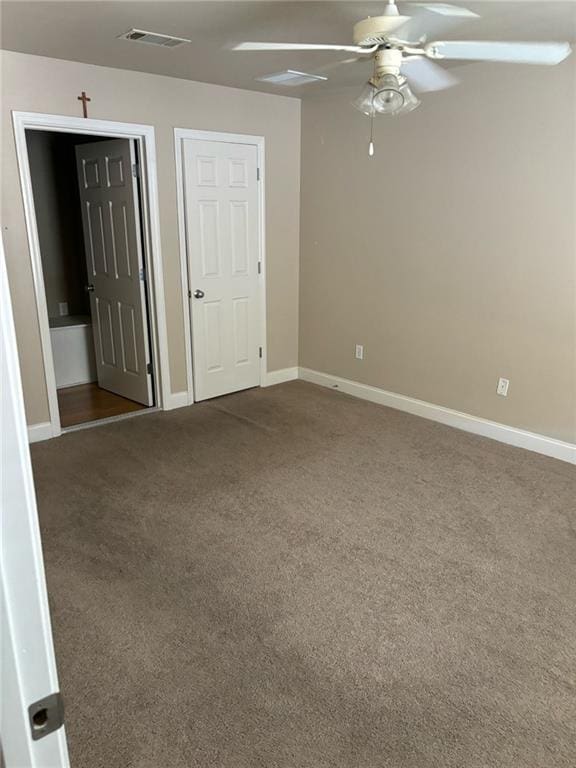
(293, 578)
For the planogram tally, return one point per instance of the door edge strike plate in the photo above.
(46, 715)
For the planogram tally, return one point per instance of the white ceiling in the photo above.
(87, 31)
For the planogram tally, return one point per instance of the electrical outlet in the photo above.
(63, 308)
(359, 352)
(502, 388)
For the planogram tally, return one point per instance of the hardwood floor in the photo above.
(87, 402)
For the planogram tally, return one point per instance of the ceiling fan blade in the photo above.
(424, 75)
(430, 20)
(339, 63)
(302, 47)
(519, 53)
(446, 10)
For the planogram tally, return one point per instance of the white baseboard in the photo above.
(279, 377)
(520, 438)
(76, 383)
(176, 400)
(38, 432)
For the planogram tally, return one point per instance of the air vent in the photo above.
(153, 38)
(291, 77)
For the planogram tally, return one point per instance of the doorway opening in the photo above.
(100, 300)
(87, 201)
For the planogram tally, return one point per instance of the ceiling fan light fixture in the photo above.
(411, 102)
(364, 102)
(408, 102)
(388, 98)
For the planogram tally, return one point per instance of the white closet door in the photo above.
(113, 247)
(222, 228)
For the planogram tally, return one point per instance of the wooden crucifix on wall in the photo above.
(84, 99)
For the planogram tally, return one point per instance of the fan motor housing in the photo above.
(387, 62)
(376, 30)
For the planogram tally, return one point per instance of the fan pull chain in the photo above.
(371, 144)
(372, 110)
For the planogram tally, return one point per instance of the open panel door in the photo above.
(108, 185)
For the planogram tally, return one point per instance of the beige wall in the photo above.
(451, 254)
(37, 84)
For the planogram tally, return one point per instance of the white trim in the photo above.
(177, 400)
(182, 240)
(67, 327)
(78, 384)
(145, 137)
(520, 438)
(280, 376)
(42, 431)
(234, 138)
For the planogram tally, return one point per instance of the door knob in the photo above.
(88, 288)
(198, 294)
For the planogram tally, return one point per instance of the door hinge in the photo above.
(260, 352)
(135, 170)
(142, 273)
(257, 174)
(259, 267)
(148, 367)
(46, 715)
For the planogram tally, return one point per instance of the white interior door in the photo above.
(113, 246)
(34, 737)
(222, 231)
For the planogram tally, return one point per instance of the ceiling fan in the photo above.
(404, 57)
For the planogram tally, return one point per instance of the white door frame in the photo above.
(145, 140)
(180, 134)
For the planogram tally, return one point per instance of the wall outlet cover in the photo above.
(502, 388)
(359, 352)
(63, 308)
